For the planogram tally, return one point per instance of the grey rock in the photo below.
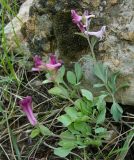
(47, 27)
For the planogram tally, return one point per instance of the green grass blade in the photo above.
(16, 148)
(126, 145)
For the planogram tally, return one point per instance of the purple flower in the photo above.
(98, 34)
(53, 64)
(75, 17)
(81, 21)
(26, 105)
(38, 64)
(81, 26)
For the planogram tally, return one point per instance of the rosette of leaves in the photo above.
(82, 123)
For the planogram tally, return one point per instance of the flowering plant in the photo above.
(83, 23)
(83, 118)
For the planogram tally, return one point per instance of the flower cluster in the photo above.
(52, 65)
(83, 23)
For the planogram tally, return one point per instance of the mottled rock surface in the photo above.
(47, 27)
(13, 29)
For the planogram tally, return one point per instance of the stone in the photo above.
(113, 2)
(13, 29)
(47, 27)
(129, 36)
(95, 3)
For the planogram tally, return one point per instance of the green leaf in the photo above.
(62, 71)
(71, 77)
(81, 34)
(100, 130)
(46, 81)
(101, 116)
(98, 85)
(78, 71)
(112, 81)
(65, 119)
(123, 85)
(61, 152)
(59, 77)
(35, 133)
(44, 130)
(101, 104)
(71, 111)
(72, 129)
(87, 94)
(116, 111)
(67, 135)
(93, 142)
(82, 106)
(1, 109)
(68, 143)
(59, 91)
(100, 70)
(83, 128)
(82, 117)
(93, 41)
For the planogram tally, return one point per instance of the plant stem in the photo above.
(91, 48)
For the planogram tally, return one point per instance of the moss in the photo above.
(68, 42)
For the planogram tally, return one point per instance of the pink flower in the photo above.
(75, 17)
(38, 64)
(81, 27)
(98, 34)
(81, 21)
(53, 64)
(26, 105)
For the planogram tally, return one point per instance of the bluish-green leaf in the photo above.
(116, 111)
(98, 85)
(67, 135)
(82, 106)
(44, 130)
(71, 77)
(101, 116)
(101, 104)
(59, 91)
(87, 94)
(65, 120)
(78, 71)
(61, 152)
(81, 34)
(100, 70)
(60, 75)
(93, 41)
(68, 143)
(62, 71)
(46, 81)
(83, 127)
(100, 130)
(71, 111)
